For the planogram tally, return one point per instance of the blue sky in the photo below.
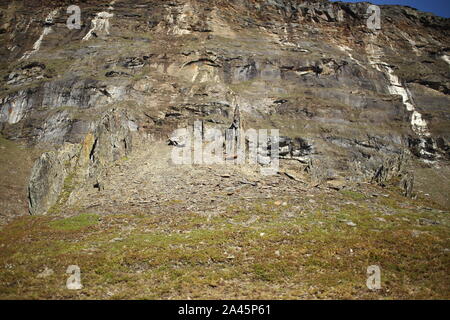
(438, 7)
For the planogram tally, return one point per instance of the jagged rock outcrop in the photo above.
(56, 174)
(49, 178)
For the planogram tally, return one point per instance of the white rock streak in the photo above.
(348, 50)
(100, 22)
(46, 31)
(411, 42)
(418, 124)
(446, 59)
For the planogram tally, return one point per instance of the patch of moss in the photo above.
(64, 195)
(353, 195)
(75, 223)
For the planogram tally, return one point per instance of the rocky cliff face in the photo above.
(352, 104)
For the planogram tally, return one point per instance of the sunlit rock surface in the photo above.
(312, 69)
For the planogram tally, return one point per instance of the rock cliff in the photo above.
(352, 104)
